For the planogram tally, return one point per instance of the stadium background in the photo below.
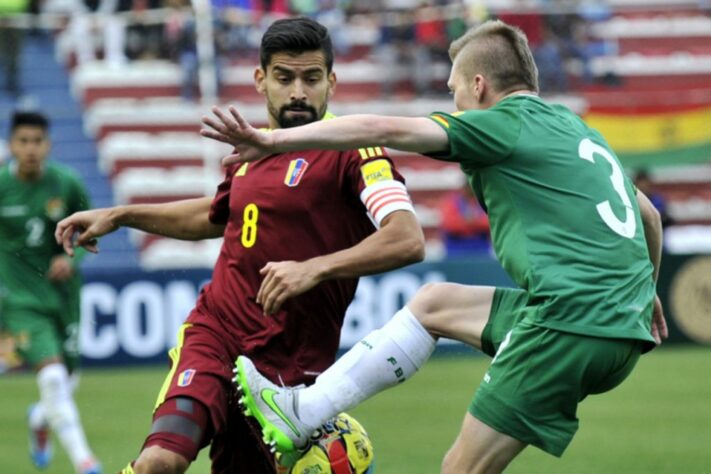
(639, 71)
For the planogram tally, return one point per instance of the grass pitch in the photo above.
(658, 421)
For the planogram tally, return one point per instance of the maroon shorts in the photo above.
(201, 370)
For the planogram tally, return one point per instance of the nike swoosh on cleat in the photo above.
(268, 396)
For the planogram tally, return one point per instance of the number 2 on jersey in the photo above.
(587, 151)
(249, 226)
(35, 229)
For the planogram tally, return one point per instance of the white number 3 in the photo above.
(587, 151)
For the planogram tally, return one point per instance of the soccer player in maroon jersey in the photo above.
(299, 229)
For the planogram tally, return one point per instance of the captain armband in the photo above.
(385, 197)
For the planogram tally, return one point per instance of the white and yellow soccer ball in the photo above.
(340, 446)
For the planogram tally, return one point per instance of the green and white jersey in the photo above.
(29, 212)
(564, 218)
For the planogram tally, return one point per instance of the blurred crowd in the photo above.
(413, 34)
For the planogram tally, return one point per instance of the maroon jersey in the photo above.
(294, 206)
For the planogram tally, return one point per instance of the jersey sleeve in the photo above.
(478, 138)
(220, 207)
(381, 188)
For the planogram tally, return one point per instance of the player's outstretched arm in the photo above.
(397, 243)
(652, 223)
(186, 220)
(416, 134)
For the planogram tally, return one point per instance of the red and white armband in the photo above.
(385, 197)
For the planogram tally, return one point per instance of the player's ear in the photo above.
(260, 79)
(479, 88)
(331, 84)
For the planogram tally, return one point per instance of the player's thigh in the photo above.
(201, 375)
(195, 394)
(201, 370)
(614, 360)
(507, 309)
(454, 311)
(480, 449)
(524, 393)
(533, 386)
(35, 335)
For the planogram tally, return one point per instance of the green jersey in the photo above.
(29, 212)
(564, 218)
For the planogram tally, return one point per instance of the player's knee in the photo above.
(427, 302)
(156, 460)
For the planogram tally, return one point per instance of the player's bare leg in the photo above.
(454, 311)
(479, 449)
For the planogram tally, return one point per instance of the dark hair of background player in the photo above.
(32, 119)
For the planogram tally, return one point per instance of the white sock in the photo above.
(61, 412)
(384, 358)
(38, 417)
(74, 381)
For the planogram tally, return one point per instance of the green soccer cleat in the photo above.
(274, 408)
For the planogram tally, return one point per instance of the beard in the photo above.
(308, 114)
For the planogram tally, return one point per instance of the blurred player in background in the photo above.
(464, 225)
(299, 229)
(567, 225)
(39, 285)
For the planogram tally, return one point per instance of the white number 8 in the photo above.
(587, 151)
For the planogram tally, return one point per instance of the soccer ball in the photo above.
(340, 446)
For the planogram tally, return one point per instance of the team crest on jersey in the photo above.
(186, 377)
(55, 209)
(296, 171)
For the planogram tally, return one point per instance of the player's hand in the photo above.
(659, 325)
(89, 225)
(284, 280)
(60, 268)
(230, 127)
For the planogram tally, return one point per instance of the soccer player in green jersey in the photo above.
(567, 225)
(39, 285)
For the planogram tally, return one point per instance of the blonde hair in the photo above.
(500, 53)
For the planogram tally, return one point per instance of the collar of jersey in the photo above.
(12, 168)
(527, 96)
